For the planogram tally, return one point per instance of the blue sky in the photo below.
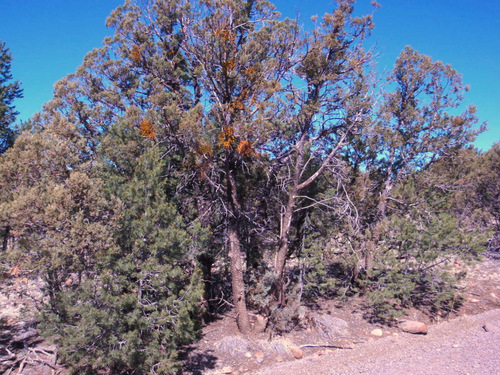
(49, 38)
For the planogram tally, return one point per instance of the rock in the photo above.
(248, 355)
(227, 370)
(259, 357)
(377, 332)
(412, 326)
(296, 352)
(330, 327)
(474, 300)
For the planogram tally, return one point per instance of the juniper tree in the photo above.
(55, 205)
(415, 126)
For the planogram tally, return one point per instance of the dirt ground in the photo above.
(465, 342)
(336, 340)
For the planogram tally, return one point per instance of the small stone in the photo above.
(474, 300)
(279, 359)
(248, 355)
(456, 346)
(296, 352)
(259, 357)
(414, 327)
(377, 332)
(227, 370)
(395, 334)
(493, 295)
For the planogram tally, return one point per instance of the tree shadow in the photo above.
(196, 362)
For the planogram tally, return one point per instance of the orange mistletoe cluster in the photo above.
(227, 137)
(147, 129)
(135, 54)
(245, 149)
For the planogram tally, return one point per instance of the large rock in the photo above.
(330, 327)
(412, 326)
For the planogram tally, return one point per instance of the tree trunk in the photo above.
(236, 261)
(284, 248)
(286, 225)
(238, 284)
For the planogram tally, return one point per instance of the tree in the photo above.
(319, 122)
(8, 93)
(142, 304)
(54, 205)
(488, 191)
(217, 83)
(414, 129)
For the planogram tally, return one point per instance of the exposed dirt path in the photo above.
(465, 345)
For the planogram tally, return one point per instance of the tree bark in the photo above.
(238, 284)
(235, 258)
(286, 224)
(284, 248)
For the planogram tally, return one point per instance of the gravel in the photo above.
(465, 345)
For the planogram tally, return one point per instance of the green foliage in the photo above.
(8, 93)
(55, 208)
(141, 303)
(211, 136)
(131, 319)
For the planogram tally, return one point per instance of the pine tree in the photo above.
(8, 93)
(143, 302)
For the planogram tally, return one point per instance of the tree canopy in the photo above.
(213, 148)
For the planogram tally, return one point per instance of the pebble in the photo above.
(377, 332)
(259, 357)
(296, 352)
